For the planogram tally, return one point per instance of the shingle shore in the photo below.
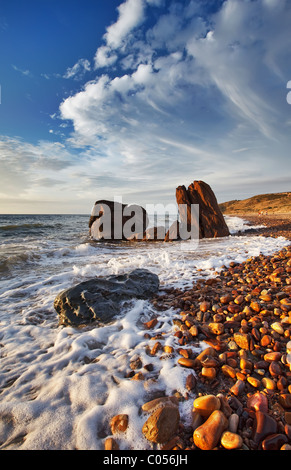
(240, 384)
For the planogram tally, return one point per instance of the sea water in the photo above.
(60, 386)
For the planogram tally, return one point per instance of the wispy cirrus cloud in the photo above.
(25, 72)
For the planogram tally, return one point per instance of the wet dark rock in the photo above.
(264, 425)
(101, 299)
(109, 219)
(274, 442)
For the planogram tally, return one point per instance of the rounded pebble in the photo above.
(206, 404)
(228, 371)
(231, 441)
(183, 361)
(119, 423)
(254, 381)
(278, 328)
(233, 422)
(207, 436)
(268, 383)
(208, 372)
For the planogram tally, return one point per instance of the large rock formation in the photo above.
(116, 221)
(211, 220)
(199, 214)
(101, 299)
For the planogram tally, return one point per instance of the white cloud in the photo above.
(131, 15)
(143, 74)
(104, 57)
(78, 70)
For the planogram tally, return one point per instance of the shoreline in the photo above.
(276, 225)
(243, 376)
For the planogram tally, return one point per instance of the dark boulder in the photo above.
(101, 299)
(116, 221)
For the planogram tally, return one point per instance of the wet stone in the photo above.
(210, 361)
(189, 363)
(286, 447)
(264, 425)
(256, 306)
(206, 352)
(287, 416)
(216, 328)
(224, 405)
(233, 422)
(110, 444)
(269, 384)
(206, 404)
(207, 436)
(135, 363)
(285, 400)
(208, 372)
(256, 334)
(272, 356)
(119, 423)
(238, 388)
(228, 371)
(204, 306)
(275, 369)
(231, 441)
(244, 374)
(191, 382)
(162, 424)
(151, 323)
(242, 340)
(158, 402)
(274, 442)
(254, 381)
(266, 340)
(276, 326)
(287, 429)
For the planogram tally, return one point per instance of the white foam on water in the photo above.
(236, 224)
(60, 386)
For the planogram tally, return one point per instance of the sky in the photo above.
(128, 99)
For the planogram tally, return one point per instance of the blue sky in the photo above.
(131, 98)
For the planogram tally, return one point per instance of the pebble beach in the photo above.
(239, 386)
(217, 331)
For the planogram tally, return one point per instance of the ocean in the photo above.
(60, 386)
